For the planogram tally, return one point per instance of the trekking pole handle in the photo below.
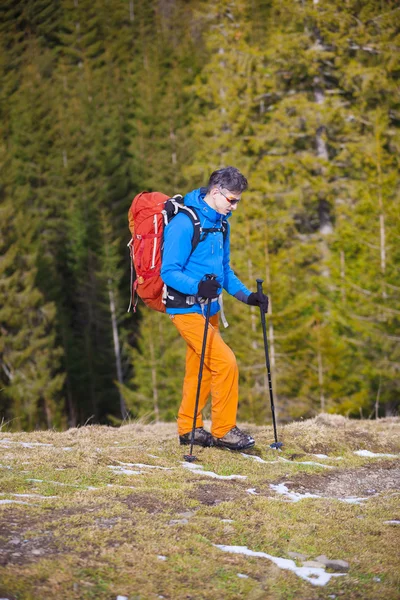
(259, 285)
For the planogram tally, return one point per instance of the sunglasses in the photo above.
(232, 201)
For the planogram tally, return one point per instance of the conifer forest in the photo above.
(101, 99)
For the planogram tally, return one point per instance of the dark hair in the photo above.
(229, 178)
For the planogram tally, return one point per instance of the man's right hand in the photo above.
(208, 289)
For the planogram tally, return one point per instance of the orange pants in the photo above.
(220, 376)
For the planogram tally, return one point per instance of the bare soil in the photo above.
(361, 482)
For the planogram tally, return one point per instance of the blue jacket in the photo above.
(183, 270)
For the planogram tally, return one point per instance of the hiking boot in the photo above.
(235, 439)
(201, 438)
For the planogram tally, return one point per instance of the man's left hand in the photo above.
(258, 299)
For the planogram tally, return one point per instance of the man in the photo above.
(184, 271)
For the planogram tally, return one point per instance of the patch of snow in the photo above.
(192, 466)
(330, 457)
(282, 489)
(5, 467)
(153, 456)
(178, 522)
(12, 502)
(142, 466)
(199, 469)
(25, 444)
(252, 491)
(227, 520)
(353, 500)
(254, 457)
(161, 557)
(122, 471)
(242, 576)
(392, 522)
(368, 454)
(122, 598)
(53, 482)
(309, 462)
(315, 576)
(26, 495)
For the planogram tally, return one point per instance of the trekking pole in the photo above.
(277, 445)
(190, 457)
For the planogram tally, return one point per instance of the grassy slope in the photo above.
(98, 543)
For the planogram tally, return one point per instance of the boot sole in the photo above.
(188, 442)
(234, 447)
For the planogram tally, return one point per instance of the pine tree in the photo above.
(29, 358)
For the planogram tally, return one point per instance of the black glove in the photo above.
(208, 289)
(258, 299)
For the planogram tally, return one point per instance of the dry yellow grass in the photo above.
(90, 531)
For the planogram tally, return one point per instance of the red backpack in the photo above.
(147, 216)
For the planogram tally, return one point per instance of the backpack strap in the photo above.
(175, 205)
(205, 231)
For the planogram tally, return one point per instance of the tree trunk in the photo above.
(382, 232)
(320, 371)
(271, 341)
(154, 380)
(117, 348)
(253, 318)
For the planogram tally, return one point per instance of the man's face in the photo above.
(225, 200)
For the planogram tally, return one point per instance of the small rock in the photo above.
(16, 554)
(336, 564)
(377, 579)
(15, 541)
(161, 557)
(313, 563)
(179, 522)
(187, 514)
(242, 576)
(37, 552)
(297, 555)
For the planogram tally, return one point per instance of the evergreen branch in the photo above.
(393, 287)
(7, 371)
(354, 46)
(384, 14)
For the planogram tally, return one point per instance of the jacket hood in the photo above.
(196, 199)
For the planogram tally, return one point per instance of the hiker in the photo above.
(184, 273)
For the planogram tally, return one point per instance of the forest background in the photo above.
(101, 99)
